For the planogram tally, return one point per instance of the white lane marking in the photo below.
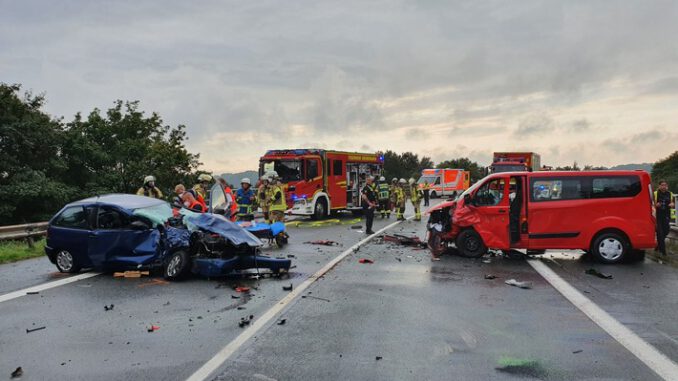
(215, 362)
(46, 286)
(655, 360)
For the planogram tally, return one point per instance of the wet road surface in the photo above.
(422, 319)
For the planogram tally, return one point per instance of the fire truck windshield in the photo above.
(288, 170)
(508, 168)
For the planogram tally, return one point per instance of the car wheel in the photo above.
(177, 265)
(470, 244)
(436, 244)
(320, 210)
(610, 247)
(66, 263)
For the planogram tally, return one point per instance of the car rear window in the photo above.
(615, 186)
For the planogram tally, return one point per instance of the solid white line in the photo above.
(655, 360)
(46, 286)
(226, 352)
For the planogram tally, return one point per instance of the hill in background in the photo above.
(644, 166)
(234, 178)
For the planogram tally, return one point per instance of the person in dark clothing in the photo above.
(369, 198)
(663, 203)
(427, 190)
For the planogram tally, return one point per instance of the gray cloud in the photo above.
(536, 124)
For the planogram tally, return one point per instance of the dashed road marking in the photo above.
(225, 353)
(46, 286)
(649, 355)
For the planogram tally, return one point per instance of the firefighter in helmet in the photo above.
(401, 199)
(277, 199)
(415, 195)
(149, 189)
(393, 201)
(384, 196)
(202, 188)
(245, 199)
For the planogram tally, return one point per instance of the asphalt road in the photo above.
(424, 320)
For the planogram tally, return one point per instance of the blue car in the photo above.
(120, 231)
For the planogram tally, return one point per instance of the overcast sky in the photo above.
(591, 81)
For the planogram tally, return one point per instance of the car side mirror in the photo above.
(139, 225)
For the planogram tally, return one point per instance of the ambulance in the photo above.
(445, 182)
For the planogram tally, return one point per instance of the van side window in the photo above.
(553, 189)
(615, 186)
(491, 193)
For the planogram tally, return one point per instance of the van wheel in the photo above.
(65, 262)
(470, 244)
(610, 247)
(320, 210)
(177, 265)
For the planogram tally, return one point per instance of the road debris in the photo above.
(29, 330)
(33, 293)
(323, 242)
(153, 328)
(242, 289)
(578, 351)
(281, 321)
(488, 260)
(109, 308)
(356, 227)
(291, 256)
(404, 240)
(365, 260)
(314, 297)
(490, 276)
(515, 283)
(18, 372)
(235, 297)
(245, 321)
(378, 358)
(131, 274)
(288, 288)
(521, 367)
(597, 273)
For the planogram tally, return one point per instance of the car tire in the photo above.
(436, 244)
(177, 265)
(610, 247)
(65, 262)
(320, 209)
(470, 244)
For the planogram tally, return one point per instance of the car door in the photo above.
(114, 240)
(491, 202)
(70, 231)
(217, 203)
(337, 184)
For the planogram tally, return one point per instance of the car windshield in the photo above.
(471, 189)
(158, 214)
(288, 170)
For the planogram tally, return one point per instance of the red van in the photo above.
(607, 213)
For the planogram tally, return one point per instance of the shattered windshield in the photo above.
(288, 170)
(158, 214)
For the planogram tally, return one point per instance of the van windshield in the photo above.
(288, 170)
(427, 179)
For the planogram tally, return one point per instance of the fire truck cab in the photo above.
(318, 182)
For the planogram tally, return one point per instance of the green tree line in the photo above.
(46, 162)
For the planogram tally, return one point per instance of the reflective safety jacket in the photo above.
(277, 199)
(149, 192)
(400, 196)
(263, 195)
(383, 191)
(415, 194)
(244, 197)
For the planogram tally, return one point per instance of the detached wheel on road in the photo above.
(610, 247)
(470, 244)
(66, 263)
(436, 244)
(177, 265)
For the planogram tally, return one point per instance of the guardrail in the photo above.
(26, 231)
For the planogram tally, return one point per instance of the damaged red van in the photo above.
(606, 213)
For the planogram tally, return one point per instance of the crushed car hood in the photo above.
(215, 223)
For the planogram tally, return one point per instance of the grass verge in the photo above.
(13, 251)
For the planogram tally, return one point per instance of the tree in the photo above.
(667, 169)
(31, 160)
(406, 165)
(477, 172)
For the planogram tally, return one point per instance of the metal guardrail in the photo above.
(10, 232)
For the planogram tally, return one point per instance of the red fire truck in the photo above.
(515, 161)
(318, 181)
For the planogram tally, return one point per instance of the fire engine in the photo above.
(318, 182)
(515, 161)
(445, 182)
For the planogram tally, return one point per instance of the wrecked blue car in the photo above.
(119, 231)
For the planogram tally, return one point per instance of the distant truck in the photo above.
(444, 182)
(318, 182)
(515, 162)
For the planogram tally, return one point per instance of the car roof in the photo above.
(125, 201)
(606, 172)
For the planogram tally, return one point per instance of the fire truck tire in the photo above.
(470, 244)
(320, 210)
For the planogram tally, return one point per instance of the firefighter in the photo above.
(415, 197)
(202, 188)
(394, 186)
(384, 195)
(663, 203)
(401, 199)
(426, 188)
(187, 200)
(277, 200)
(262, 196)
(245, 199)
(149, 189)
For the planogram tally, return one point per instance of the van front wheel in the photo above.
(610, 247)
(470, 244)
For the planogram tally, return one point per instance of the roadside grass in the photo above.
(13, 251)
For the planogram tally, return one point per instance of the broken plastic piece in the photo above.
(323, 242)
(490, 276)
(281, 321)
(487, 260)
(513, 282)
(34, 329)
(378, 358)
(365, 260)
(242, 289)
(314, 297)
(405, 240)
(32, 292)
(18, 372)
(597, 273)
(131, 274)
(578, 351)
(109, 308)
(153, 328)
(288, 288)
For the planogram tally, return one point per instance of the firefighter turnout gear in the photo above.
(384, 196)
(149, 189)
(278, 203)
(400, 199)
(415, 196)
(263, 196)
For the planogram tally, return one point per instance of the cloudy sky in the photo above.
(591, 81)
